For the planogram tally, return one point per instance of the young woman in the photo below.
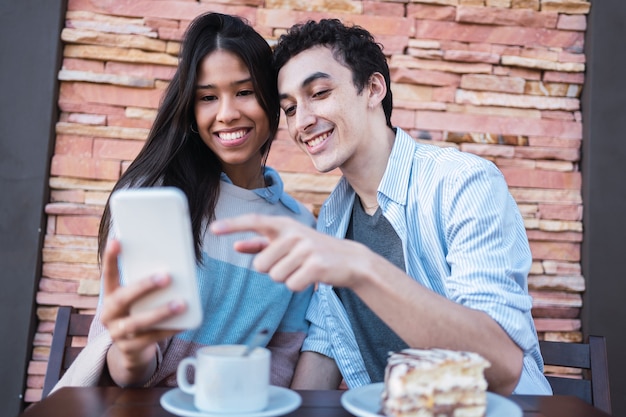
(211, 138)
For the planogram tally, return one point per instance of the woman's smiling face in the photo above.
(229, 118)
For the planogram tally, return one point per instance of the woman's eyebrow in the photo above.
(238, 82)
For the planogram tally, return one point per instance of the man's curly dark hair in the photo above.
(352, 46)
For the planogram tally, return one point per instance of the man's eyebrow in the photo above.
(239, 82)
(308, 80)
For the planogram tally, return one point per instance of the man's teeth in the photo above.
(232, 135)
(317, 140)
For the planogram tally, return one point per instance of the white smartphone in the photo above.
(154, 229)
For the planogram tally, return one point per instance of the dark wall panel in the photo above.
(29, 62)
(604, 187)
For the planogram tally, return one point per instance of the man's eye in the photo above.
(321, 93)
(290, 111)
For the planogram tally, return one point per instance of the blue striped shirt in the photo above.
(463, 237)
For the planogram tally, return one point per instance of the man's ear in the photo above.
(377, 89)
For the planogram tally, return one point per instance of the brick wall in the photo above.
(498, 78)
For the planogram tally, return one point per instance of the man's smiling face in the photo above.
(325, 114)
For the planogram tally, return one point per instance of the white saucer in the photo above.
(365, 402)
(282, 401)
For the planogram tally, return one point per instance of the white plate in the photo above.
(281, 401)
(365, 402)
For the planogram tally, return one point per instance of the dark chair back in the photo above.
(69, 323)
(591, 358)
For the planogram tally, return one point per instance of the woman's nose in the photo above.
(228, 111)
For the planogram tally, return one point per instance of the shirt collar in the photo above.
(395, 182)
(274, 191)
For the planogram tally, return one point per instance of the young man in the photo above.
(435, 251)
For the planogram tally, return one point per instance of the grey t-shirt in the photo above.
(374, 337)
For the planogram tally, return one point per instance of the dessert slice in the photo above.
(435, 383)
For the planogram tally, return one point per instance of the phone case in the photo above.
(154, 229)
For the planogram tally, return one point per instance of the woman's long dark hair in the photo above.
(175, 155)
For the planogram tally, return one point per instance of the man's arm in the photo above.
(316, 371)
(423, 318)
(485, 298)
(295, 255)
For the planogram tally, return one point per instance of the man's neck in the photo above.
(366, 170)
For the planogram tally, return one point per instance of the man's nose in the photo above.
(304, 118)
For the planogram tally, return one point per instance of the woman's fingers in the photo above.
(131, 326)
(110, 272)
(136, 331)
(118, 302)
(130, 343)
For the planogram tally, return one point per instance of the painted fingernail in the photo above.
(159, 279)
(176, 305)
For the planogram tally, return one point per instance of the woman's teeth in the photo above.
(232, 135)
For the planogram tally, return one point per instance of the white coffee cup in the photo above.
(226, 381)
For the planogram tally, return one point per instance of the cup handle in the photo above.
(181, 375)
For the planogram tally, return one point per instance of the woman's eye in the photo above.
(207, 98)
(246, 92)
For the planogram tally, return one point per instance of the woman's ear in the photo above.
(377, 89)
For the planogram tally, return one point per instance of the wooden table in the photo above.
(144, 402)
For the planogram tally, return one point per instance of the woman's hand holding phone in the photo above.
(154, 230)
(159, 297)
(132, 358)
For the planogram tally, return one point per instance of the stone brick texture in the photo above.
(498, 78)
